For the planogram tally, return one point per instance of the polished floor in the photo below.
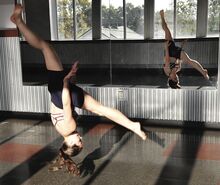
(111, 155)
(153, 77)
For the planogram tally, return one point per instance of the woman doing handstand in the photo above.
(65, 95)
(176, 55)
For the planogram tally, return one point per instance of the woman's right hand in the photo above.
(72, 71)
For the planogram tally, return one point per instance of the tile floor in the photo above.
(111, 155)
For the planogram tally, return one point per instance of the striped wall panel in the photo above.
(14, 96)
(190, 105)
(135, 102)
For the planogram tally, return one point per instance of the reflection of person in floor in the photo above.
(174, 55)
(65, 95)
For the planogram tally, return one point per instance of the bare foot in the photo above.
(162, 13)
(16, 16)
(137, 130)
(206, 74)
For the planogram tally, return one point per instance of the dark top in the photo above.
(174, 51)
(55, 87)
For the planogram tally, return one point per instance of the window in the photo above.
(213, 18)
(120, 24)
(74, 23)
(124, 19)
(83, 20)
(116, 19)
(168, 8)
(181, 21)
(65, 19)
(135, 19)
(105, 19)
(186, 11)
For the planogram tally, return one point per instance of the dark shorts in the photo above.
(174, 51)
(55, 87)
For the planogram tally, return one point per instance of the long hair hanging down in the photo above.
(65, 162)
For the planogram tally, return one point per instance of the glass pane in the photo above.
(65, 19)
(186, 11)
(105, 19)
(213, 18)
(84, 19)
(94, 55)
(116, 19)
(135, 19)
(168, 8)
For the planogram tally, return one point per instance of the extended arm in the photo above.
(167, 59)
(66, 100)
(66, 97)
(167, 56)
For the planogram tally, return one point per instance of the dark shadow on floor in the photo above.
(154, 137)
(28, 168)
(25, 170)
(17, 134)
(180, 163)
(117, 135)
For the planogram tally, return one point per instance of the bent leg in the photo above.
(195, 64)
(168, 35)
(51, 59)
(94, 106)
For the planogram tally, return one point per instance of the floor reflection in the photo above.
(136, 77)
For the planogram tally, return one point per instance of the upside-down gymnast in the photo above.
(65, 95)
(174, 55)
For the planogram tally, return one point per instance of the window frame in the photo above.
(149, 6)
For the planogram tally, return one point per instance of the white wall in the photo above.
(6, 10)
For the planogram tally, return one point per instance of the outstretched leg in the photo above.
(168, 35)
(51, 59)
(195, 64)
(94, 106)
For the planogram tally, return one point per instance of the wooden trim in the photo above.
(9, 33)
